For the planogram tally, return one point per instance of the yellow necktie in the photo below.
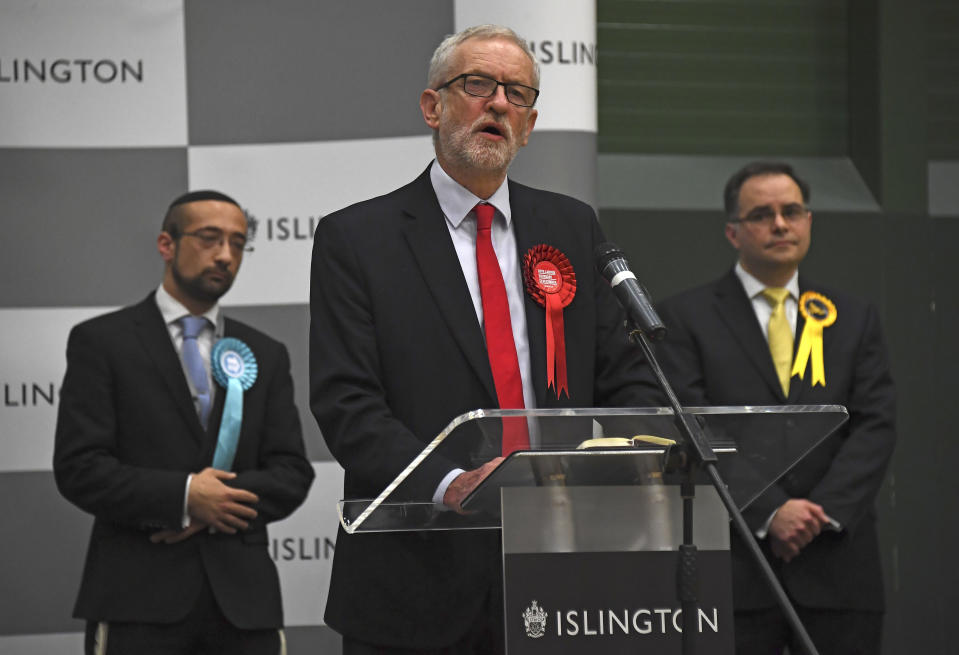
(780, 334)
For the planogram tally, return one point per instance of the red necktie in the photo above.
(499, 333)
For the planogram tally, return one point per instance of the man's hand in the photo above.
(215, 504)
(176, 536)
(794, 525)
(463, 484)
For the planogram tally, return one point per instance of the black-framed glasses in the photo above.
(484, 87)
(767, 215)
(211, 238)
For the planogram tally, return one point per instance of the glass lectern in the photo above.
(591, 515)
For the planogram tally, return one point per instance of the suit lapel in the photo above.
(155, 338)
(429, 240)
(736, 310)
(531, 229)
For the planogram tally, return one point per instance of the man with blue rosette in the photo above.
(177, 431)
(764, 334)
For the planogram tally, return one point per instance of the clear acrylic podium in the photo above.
(591, 515)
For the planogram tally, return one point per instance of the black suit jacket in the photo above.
(396, 352)
(127, 437)
(715, 354)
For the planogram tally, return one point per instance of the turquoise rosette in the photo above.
(234, 369)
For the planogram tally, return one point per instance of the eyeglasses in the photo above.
(210, 238)
(484, 87)
(767, 215)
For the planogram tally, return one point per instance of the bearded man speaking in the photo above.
(420, 313)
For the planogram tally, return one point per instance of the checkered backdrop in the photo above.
(110, 108)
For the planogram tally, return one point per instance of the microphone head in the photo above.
(604, 253)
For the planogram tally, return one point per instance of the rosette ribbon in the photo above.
(234, 368)
(551, 282)
(820, 313)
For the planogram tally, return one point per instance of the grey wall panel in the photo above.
(696, 182)
(675, 250)
(300, 640)
(942, 77)
(299, 70)
(45, 539)
(919, 572)
(944, 188)
(291, 325)
(669, 250)
(80, 225)
(62, 643)
(559, 161)
(316, 640)
(941, 444)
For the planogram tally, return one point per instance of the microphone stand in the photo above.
(696, 452)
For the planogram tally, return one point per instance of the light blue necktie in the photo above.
(192, 326)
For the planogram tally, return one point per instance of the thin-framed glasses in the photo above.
(791, 213)
(211, 238)
(484, 87)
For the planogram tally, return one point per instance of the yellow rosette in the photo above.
(819, 312)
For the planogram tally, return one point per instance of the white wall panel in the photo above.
(563, 36)
(32, 364)
(288, 188)
(92, 73)
(302, 547)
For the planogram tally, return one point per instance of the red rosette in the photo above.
(551, 281)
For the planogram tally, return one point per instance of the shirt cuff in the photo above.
(764, 530)
(833, 524)
(185, 516)
(444, 485)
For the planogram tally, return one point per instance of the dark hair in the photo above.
(174, 218)
(754, 169)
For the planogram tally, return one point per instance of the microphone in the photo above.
(612, 265)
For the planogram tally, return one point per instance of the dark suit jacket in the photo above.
(127, 437)
(396, 352)
(715, 354)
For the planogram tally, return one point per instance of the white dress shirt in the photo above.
(762, 308)
(457, 203)
(172, 311)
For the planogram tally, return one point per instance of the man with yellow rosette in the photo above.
(765, 335)
(177, 432)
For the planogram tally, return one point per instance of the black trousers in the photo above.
(204, 631)
(833, 632)
(486, 635)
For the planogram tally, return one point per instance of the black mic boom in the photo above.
(611, 263)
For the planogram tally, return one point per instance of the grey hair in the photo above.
(440, 61)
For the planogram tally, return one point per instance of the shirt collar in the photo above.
(173, 310)
(457, 201)
(754, 287)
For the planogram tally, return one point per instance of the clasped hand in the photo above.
(794, 525)
(464, 484)
(211, 503)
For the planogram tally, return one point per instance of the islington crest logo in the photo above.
(251, 226)
(534, 618)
